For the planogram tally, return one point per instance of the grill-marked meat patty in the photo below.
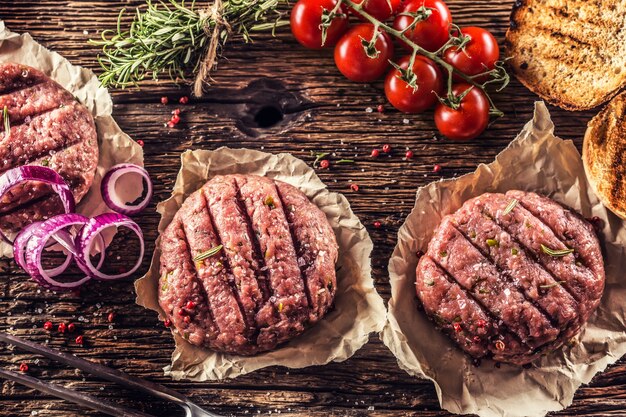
(49, 128)
(273, 277)
(493, 263)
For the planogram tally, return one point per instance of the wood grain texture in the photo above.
(325, 113)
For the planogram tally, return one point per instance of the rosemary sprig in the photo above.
(207, 254)
(318, 157)
(509, 208)
(556, 253)
(171, 37)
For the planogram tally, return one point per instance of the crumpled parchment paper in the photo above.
(535, 161)
(115, 146)
(359, 310)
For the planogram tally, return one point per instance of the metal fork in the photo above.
(113, 375)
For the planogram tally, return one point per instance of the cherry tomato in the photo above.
(431, 33)
(429, 83)
(469, 120)
(306, 17)
(380, 9)
(352, 60)
(479, 55)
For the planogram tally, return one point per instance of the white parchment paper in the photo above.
(359, 310)
(115, 146)
(535, 161)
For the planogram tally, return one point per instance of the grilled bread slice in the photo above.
(572, 53)
(604, 155)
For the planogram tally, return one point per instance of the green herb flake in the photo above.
(280, 307)
(6, 120)
(345, 161)
(509, 208)
(457, 319)
(483, 291)
(514, 251)
(492, 243)
(556, 253)
(443, 253)
(554, 284)
(430, 283)
(473, 234)
(269, 201)
(207, 254)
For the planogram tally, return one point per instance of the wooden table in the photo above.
(321, 110)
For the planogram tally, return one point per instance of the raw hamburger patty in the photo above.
(272, 273)
(493, 283)
(50, 128)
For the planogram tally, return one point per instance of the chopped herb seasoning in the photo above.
(510, 207)
(269, 201)
(492, 242)
(280, 307)
(514, 251)
(205, 255)
(430, 283)
(457, 319)
(483, 291)
(473, 234)
(556, 253)
(7, 121)
(443, 253)
(45, 162)
(554, 284)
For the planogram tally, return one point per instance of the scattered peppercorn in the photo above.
(182, 312)
(80, 340)
(71, 327)
(164, 100)
(111, 317)
(386, 148)
(375, 153)
(377, 224)
(437, 168)
(457, 327)
(167, 323)
(176, 112)
(140, 143)
(23, 367)
(184, 100)
(409, 154)
(324, 164)
(481, 323)
(380, 108)
(354, 187)
(170, 124)
(62, 327)
(191, 305)
(47, 325)
(175, 119)
(187, 319)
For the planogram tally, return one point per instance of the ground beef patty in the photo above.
(247, 263)
(511, 277)
(50, 128)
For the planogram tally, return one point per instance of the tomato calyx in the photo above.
(420, 15)
(406, 74)
(328, 16)
(457, 40)
(369, 46)
(454, 100)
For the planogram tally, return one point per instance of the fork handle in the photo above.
(76, 397)
(103, 372)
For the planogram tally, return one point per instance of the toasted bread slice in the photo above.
(604, 155)
(572, 53)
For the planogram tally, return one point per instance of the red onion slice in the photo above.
(92, 229)
(36, 244)
(19, 247)
(19, 175)
(112, 199)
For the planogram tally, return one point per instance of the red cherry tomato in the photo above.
(380, 9)
(429, 83)
(479, 55)
(352, 60)
(306, 17)
(431, 33)
(469, 120)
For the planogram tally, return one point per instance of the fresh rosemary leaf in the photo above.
(510, 207)
(211, 252)
(6, 120)
(556, 253)
(554, 284)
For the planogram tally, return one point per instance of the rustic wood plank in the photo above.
(326, 114)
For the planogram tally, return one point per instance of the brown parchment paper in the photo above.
(115, 146)
(359, 310)
(535, 161)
